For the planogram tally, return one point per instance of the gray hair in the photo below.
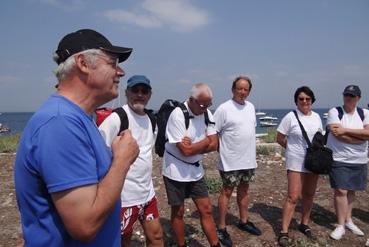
(200, 88)
(65, 68)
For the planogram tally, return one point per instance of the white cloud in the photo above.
(179, 15)
(133, 18)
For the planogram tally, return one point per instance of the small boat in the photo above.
(268, 118)
(325, 115)
(260, 113)
(267, 124)
(4, 128)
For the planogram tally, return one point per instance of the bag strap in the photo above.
(197, 163)
(151, 115)
(207, 120)
(186, 114)
(303, 130)
(123, 118)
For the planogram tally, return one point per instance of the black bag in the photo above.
(162, 118)
(319, 158)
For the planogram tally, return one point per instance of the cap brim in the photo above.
(122, 52)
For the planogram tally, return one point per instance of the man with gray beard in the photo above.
(138, 195)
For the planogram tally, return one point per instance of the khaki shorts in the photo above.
(237, 177)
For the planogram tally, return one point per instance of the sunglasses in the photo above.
(349, 95)
(203, 106)
(307, 99)
(143, 90)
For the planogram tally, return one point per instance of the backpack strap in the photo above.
(340, 112)
(207, 120)
(186, 114)
(360, 111)
(151, 115)
(123, 118)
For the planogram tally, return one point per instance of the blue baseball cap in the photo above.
(352, 90)
(138, 79)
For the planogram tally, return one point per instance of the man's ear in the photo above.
(81, 63)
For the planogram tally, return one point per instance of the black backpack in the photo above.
(162, 117)
(105, 112)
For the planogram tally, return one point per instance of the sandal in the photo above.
(305, 229)
(283, 239)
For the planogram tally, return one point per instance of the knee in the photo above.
(340, 192)
(293, 199)
(155, 237)
(205, 211)
(177, 212)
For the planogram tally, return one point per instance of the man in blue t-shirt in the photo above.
(67, 181)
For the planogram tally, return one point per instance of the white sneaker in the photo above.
(352, 227)
(338, 232)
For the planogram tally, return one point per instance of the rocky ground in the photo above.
(267, 195)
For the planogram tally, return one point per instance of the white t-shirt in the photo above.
(138, 187)
(235, 125)
(345, 152)
(197, 130)
(296, 144)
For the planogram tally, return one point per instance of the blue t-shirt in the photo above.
(61, 148)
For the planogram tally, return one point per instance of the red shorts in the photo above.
(144, 212)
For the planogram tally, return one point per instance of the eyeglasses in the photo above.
(112, 61)
(143, 90)
(203, 106)
(307, 99)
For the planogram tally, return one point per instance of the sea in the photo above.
(18, 120)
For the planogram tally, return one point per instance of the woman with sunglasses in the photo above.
(348, 139)
(301, 182)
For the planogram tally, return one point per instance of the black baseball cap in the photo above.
(352, 90)
(85, 39)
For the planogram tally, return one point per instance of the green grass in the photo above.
(270, 137)
(9, 143)
(214, 184)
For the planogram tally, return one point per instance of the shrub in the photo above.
(265, 150)
(270, 137)
(9, 143)
(214, 184)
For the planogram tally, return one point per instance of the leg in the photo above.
(207, 220)
(243, 201)
(149, 220)
(223, 202)
(126, 239)
(294, 194)
(341, 205)
(176, 218)
(309, 183)
(350, 204)
(153, 233)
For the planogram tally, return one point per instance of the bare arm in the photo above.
(85, 209)
(213, 145)
(343, 134)
(282, 139)
(356, 133)
(188, 148)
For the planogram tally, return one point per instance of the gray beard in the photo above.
(138, 107)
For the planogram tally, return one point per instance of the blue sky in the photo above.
(281, 45)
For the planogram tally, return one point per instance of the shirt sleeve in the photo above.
(366, 117)
(219, 119)
(211, 129)
(285, 124)
(65, 156)
(176, 128)
(109, 128)
(333, 117)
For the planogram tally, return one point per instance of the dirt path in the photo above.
(267, 195)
